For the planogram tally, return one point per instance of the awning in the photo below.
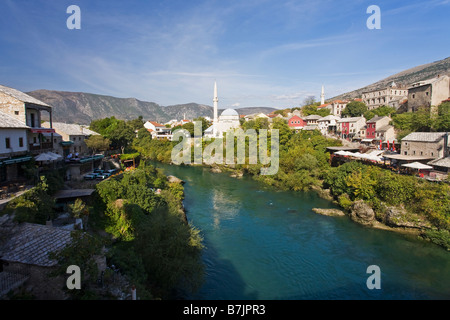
(366, 140)
(16, 160)
(417, 165)
(66, 143)
(42, 130)
(96, 157)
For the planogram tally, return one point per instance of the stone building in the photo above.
(428, 144)
(337, 106)
(28, 110)
(392, 96)
(25, 261)
(349, 127)
(73, 138)
(375, 124)
(428, 93)
(328, 124)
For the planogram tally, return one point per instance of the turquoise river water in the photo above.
(268, 244)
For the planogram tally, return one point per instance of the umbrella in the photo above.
(417, 165)
(55, 156)
(44, 157)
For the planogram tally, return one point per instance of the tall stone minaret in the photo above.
(216, 101)
(322, 96)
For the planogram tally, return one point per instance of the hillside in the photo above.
(404, 78)
(82, 108)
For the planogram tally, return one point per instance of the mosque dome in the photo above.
(230, 112)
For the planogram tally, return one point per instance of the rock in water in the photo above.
(329, 212)
(362, 213)
(173, 179)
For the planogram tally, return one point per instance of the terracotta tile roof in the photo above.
(156, 124)
(31, 244)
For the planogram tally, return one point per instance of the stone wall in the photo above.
(40, 284)
(11, 106)
(428, 149)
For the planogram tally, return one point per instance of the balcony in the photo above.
(41, 147)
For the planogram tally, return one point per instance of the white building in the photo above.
(328, 123)
(392, 95)
(228, 120)
(158, 131)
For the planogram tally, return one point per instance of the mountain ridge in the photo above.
(82, 107)
(403, 78)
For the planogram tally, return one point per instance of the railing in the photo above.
(41, 146)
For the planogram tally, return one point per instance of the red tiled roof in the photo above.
(323, 105)
(156, 124)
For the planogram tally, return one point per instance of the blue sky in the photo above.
(271, 53)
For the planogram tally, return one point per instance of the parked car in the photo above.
(90, 176)
(99, 171)
(103, 176)
(111, 171)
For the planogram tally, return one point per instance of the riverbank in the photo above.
(398, 202)
(390, 218)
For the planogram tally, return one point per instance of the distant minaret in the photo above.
(216, 101)
(322, 96)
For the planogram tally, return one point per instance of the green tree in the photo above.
(98, 143)
(354, 109)
(442, 121)
(285, 132)
(121, 135)
(136, 124)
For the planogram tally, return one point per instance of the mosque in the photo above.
(228, 120)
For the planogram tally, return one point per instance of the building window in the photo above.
(34, 140)
(8, 143)
(16, 113)
(21, 142)
(414, 96)
(427, 93)
(406, 153)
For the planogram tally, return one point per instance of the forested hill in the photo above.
(82, 108)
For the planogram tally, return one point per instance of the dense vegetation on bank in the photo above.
(144, 231)
(305, 165)
(152, 242)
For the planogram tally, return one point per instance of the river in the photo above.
(267, 244)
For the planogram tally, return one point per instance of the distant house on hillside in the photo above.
(296, 123)
(391, 95)
(158, 130)
(73, 138)
(434, 145)
(328, 123)
(337, 106)
(347, 128)
(376, 123)
(427, 93)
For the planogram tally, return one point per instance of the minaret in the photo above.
(322, 96)
(216, 101)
